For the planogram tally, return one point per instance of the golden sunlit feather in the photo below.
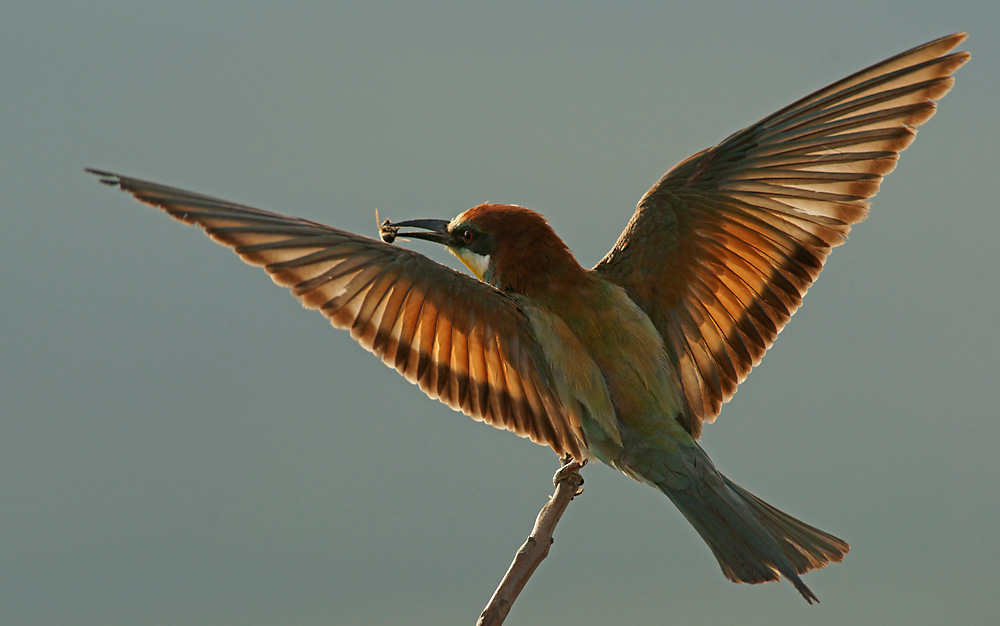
(459, 339)
(722, 249)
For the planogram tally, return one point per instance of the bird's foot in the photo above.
(570, 472)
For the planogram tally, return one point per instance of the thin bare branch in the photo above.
(569, 483)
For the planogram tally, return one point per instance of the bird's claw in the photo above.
(570, 471)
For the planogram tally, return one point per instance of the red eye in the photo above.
(468, 235)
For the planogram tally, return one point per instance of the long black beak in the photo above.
(437, 230)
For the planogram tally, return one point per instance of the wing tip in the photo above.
(954, 39)
(107, 178)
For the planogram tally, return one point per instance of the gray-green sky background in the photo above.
(182, 444)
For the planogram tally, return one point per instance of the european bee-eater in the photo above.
(624, 362)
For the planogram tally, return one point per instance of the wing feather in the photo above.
(720, 252)
(460, 340)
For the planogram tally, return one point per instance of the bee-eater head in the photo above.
(509, 247)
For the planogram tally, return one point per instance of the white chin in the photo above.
(478, 263)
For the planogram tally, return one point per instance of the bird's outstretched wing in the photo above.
(462, 341)
(721, 250)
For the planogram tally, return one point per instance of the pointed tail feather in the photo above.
(753, 541)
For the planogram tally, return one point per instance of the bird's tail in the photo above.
(753, 541)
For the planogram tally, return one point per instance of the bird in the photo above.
(627, 361)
